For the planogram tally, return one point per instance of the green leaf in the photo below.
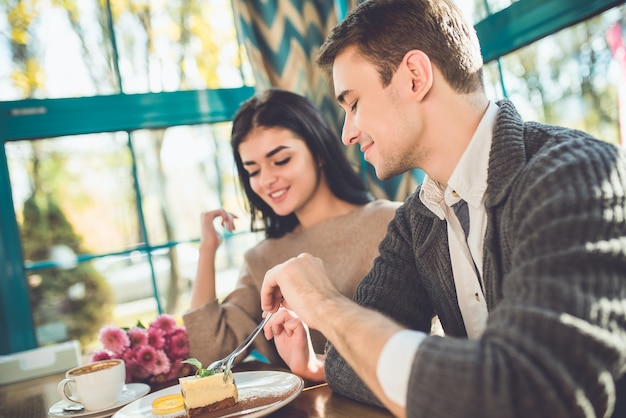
(194, 362)
(201, 372)
(206, 373)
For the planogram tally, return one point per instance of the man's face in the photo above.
(376, 116)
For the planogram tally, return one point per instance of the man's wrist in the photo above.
(329, 311)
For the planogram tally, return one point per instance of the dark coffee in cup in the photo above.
(92, 367)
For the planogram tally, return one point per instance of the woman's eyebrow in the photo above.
(269, 154)
(276, 150)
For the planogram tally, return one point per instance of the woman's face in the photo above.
(281, 168)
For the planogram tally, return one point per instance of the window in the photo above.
(115, 120)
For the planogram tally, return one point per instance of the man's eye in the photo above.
(283, 162)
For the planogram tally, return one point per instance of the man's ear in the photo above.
(421, 71)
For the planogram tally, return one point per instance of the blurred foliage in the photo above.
(74, 295)
(567, 79)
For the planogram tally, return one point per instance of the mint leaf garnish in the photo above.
(201, 372)
(194, 362)
(205, 372)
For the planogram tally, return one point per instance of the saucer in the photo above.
(130, 393)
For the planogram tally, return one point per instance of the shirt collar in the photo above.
(469, 178)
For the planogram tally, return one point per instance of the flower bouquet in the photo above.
(153, 355)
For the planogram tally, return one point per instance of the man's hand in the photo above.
(358, 333)
(301, 285)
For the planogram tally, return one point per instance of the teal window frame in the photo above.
(47, 118)
(520, 24)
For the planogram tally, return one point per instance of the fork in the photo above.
(218, 366)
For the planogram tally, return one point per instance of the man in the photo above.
(531, 292)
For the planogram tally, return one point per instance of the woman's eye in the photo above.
(253, 173)
(283, 162)
(353, 106)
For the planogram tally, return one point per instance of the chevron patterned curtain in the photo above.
(282, 39)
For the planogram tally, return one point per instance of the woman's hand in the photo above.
(211, 238)
(204, 285)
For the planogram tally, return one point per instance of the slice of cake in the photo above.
(210, 393)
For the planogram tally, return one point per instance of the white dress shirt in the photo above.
(468, 182)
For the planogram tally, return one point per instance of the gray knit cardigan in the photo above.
(555, 284)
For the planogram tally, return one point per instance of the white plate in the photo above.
(260, 393)
(131, 392)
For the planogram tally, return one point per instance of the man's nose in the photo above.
(350, 133)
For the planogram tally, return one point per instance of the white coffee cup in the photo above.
(96, 385)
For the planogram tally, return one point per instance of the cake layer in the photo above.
(204, 394)
(224, 403)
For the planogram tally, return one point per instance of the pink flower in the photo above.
(186, 370)
(129, 356)
(156, 337)
(175, 368)
(134, 371)
(114, 339)
(178, 346)
(138, 337)
(146, 357)
(161, 378)
(162, 363)
(165, 323)
(152, 355)
(100, 355)
(180, 369)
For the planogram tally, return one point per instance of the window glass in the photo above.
(56, 51)
(88, 178)
(473, 10)
(183, 171)
(169, 46)
(572, 78)
(494, 6)
(68, 302)
(477, 10)
(92, 254)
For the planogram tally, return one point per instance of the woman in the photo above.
(300, 186)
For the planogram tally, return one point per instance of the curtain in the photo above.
(282, 39)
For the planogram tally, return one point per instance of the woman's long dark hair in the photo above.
(281, 108)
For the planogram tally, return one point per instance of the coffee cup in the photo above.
(96, 385)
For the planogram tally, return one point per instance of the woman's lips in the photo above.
(277, 195)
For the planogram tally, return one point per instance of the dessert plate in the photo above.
(260, 393)
(131, 392)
